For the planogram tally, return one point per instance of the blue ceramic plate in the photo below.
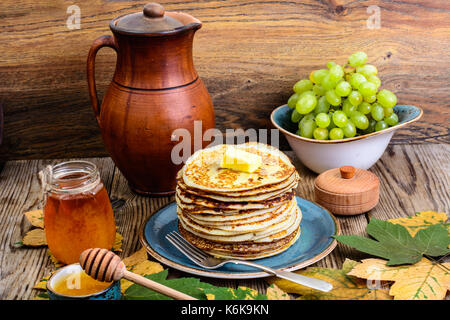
(315, 242)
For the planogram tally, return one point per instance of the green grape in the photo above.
(322, 105)
(298, 132)
(355, 98)
(307, 129)
(328, 83)
(371, 127)
(349, 69)
(381, 125)
(356, 80)
(320, 133)
(340, 119)
(370, 99)
(331, 125)
(343, 88)
(331, 64)
(377, 112)
(388, 111)
(364, 107)
(309, 116)
(302, 86)
(292, 101)
(368, 89)
(295, 116)
(306, 93)
(323, 120)
(318, 75)
(306, 104)
(318, 90)
(367, 70)
(336, 72)
(348, 108)
(336, 134)
(391, 120)
(387, 98)
(357, 59)
(333, 98)
(311, 77)
(349, 130)
(360, 120)
(375, 80)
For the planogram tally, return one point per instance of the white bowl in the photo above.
(359, 152)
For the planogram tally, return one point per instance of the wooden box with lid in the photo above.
(347, 190)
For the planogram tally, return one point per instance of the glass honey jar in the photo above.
(77, 212)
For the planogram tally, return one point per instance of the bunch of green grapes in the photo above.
(342, 102)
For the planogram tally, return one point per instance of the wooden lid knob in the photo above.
(153, 10)
(102, 264)
(347, 172)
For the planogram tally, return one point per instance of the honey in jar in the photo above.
(78, 213)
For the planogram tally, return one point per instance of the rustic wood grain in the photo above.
(413, 178)
(249, 54)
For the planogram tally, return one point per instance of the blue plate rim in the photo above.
(226, 275)
(393, 128)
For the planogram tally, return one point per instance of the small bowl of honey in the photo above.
(72, 283)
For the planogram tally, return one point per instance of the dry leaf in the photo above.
(138, 263)
(420, 221)
(135, 258)
(42, 284)
(36, 218)
(35, 238)
(275, 293)
(55, 261)
(345, 287)
(421, 281)
(117, 246)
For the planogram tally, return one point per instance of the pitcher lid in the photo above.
(152, 20)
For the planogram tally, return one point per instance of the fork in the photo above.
(207, 261)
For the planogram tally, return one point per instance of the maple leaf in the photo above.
(421, 220)
(395, 243)
(345, 287)
(422, 281)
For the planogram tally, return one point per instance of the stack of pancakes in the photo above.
(235, 214)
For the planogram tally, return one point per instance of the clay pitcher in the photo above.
(155, 90)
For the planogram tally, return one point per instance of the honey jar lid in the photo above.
(153, 19)
(347, 190)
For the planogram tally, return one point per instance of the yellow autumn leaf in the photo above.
(135, 258)
(35, 238)
(36, 218)
(273, 292)
(420, 221)
(42, 284)
(138, 263)
(55, 261)
(424, 280)
(345, 287)
(117, 246)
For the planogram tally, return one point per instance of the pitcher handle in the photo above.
(100, 42)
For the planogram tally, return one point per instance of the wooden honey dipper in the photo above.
(104, 265)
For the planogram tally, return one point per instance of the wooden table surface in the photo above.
(413, 178)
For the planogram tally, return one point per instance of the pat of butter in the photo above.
(240, 160)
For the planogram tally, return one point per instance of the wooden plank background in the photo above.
(249, 54)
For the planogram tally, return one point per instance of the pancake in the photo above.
(202, 170)
(235, 214)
